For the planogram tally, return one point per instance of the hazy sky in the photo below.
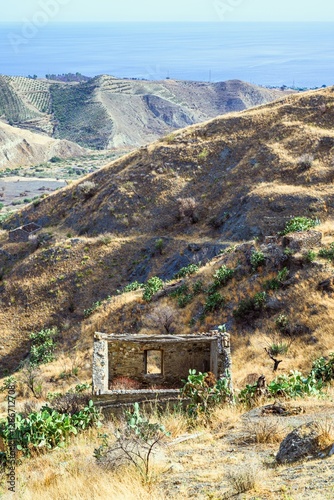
(168, 10)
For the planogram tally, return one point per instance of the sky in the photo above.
(167, 10)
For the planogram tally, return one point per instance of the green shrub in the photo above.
(93, 308)
(290, 386)
(327, 253)
(204, 392)
(298, 224)
(184, 300)
(203, 154)
(198, 287)
(276, 283)
(46, 429)
(55, 159)
(152, 286)
(323, 368)
(310, 256)
(42, 346)
(158, 245)
(295, 385)
(278, 348)
(257, 259)
(247, 395)
(282, 322)
(4, 217)
(186, 271)
(132, 287)
(250, 305)
(222, 276)
(183, 295)
(8, 383)
(213, 302)
(181, 290)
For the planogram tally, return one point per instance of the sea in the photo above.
(297, 55)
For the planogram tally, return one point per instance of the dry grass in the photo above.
(72, 474)
(326, 432)
(224, 418)
(244, 478)
(264, 431)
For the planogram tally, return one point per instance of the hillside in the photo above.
(107, 112)
(18, 147)
(224, 185)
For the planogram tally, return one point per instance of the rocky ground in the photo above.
(225, 463)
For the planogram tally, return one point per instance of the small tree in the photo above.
(164, 318)
(277, 345)
(31, 378)
(135, 443)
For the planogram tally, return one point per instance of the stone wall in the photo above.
(129, 359)
(118, 356)
(24, 233)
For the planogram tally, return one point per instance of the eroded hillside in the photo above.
(194, 197)
(107, 112)
(18, 147)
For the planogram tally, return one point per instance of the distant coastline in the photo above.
(298, 55)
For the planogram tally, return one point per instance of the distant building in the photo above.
(24, 233)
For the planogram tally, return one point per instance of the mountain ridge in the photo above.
(106, 112)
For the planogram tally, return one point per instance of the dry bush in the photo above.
(87, 189)
(326, 432)
(70, 403)
(224, 418)
(164, 318)
(264, 431)
(175, 422)
(124, 383)
(243, 479)
(306, 160)
(187, 208)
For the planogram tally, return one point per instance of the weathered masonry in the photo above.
(159, 360)
(24, 233)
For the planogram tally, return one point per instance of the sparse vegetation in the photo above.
(163, 319)
(42, 346)
(187, 210)
(46, 429)
(152, 286)
(204, 392)
(306, 160)
(87, 189)
(257, 259)
(252, 305)
(327, 253)
(297, 224)
(276, 283)
(186, 271)
(282, 322)
(135, 443)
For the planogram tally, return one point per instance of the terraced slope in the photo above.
(107, 112)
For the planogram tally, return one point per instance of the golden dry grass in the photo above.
(54, 284)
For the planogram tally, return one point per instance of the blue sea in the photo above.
(299, 54)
